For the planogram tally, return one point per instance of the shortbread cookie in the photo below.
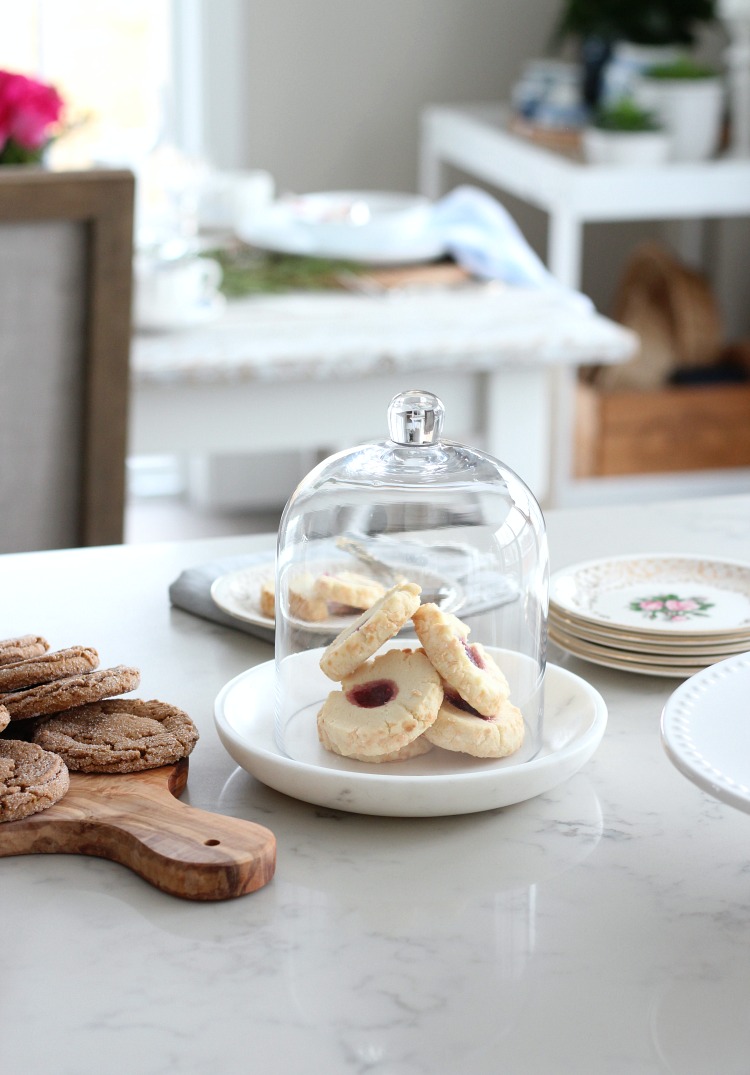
(18, 649)
(459, 727)
(119, 735)
(467, 668)
(420, 745)
(386, 704)
(268, 599)
(361, 639)
(31, 779)
(304, 603)
(4, 718)
(71, 691)
(349, 589)
(55, 664)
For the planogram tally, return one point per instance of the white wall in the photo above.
(328, 93)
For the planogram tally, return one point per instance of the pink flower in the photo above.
(677, 619)
(651, 606)
(28, 109)
(682, 606)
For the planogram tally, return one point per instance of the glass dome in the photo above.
(431, 548)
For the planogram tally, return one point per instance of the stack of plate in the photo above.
(660, 614)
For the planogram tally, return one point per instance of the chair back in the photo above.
(65, 324)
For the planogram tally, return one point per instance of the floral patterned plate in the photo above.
(651, 664)
(663, 645)
(658, 594)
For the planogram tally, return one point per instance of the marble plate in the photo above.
(437, 784)
(658, 595)
(705, 730)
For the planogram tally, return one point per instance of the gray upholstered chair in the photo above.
(65, 300)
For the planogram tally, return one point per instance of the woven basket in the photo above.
(675, 314)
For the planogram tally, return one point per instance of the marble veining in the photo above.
(602, 927)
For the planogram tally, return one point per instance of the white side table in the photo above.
(476, 139)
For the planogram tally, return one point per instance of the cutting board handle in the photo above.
(135, 819)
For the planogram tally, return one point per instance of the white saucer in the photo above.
(437, 784)
(238, 594)
(706, 732)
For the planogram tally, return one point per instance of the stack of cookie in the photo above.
(449, 693)
(314, 598)
(59, 711)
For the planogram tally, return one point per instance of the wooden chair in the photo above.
(65, 302)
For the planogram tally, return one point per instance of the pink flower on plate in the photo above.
(650, 606)
(28, 110)
(682, 606)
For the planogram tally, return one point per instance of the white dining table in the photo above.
(601, 927)
(316, 370)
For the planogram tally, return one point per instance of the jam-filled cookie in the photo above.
(383, 706)
(267, 598)
(417, 747)
(31, 779)
(349, 589)
(119, 735)
(4, 718)
(466, 667)
(361, 639)
(304, 602)
(460, 727)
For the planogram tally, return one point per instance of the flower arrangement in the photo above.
(29, 112)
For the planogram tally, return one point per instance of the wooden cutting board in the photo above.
(137, 820)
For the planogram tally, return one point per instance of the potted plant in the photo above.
(625, 133)
(619, 38)
(688, 97)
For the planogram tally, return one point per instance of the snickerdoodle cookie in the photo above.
(119, 735)
(70, 691)
(31, 779)
(47, 667)
(18, 649)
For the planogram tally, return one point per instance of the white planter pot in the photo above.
(691, 111)
(629, 148)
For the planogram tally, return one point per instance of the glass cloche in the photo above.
(411, 605)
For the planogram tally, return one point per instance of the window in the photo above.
(112, 62)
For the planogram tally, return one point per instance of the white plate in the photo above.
(238, 594)
(658, 594)
(395, 229)
(705, 729)
(436, 784)
(663, 646)
(625, 662)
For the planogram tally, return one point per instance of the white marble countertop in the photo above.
(603, 927)
(316, 335)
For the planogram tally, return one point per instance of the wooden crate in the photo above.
(662, 431)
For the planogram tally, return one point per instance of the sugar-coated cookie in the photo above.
(119, 735)
(361, 639)
(31, 779)
(384, 705)
(349, 588)
(18, 649)
(466, 667)
(55, 664)
(304, 602)
(70, 691)
(459, 727)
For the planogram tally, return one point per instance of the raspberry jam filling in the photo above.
(472, 654)
(458, 703)
(373, 694)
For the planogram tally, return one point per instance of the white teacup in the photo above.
(175, 294)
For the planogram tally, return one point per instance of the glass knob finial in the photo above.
(415, 417)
